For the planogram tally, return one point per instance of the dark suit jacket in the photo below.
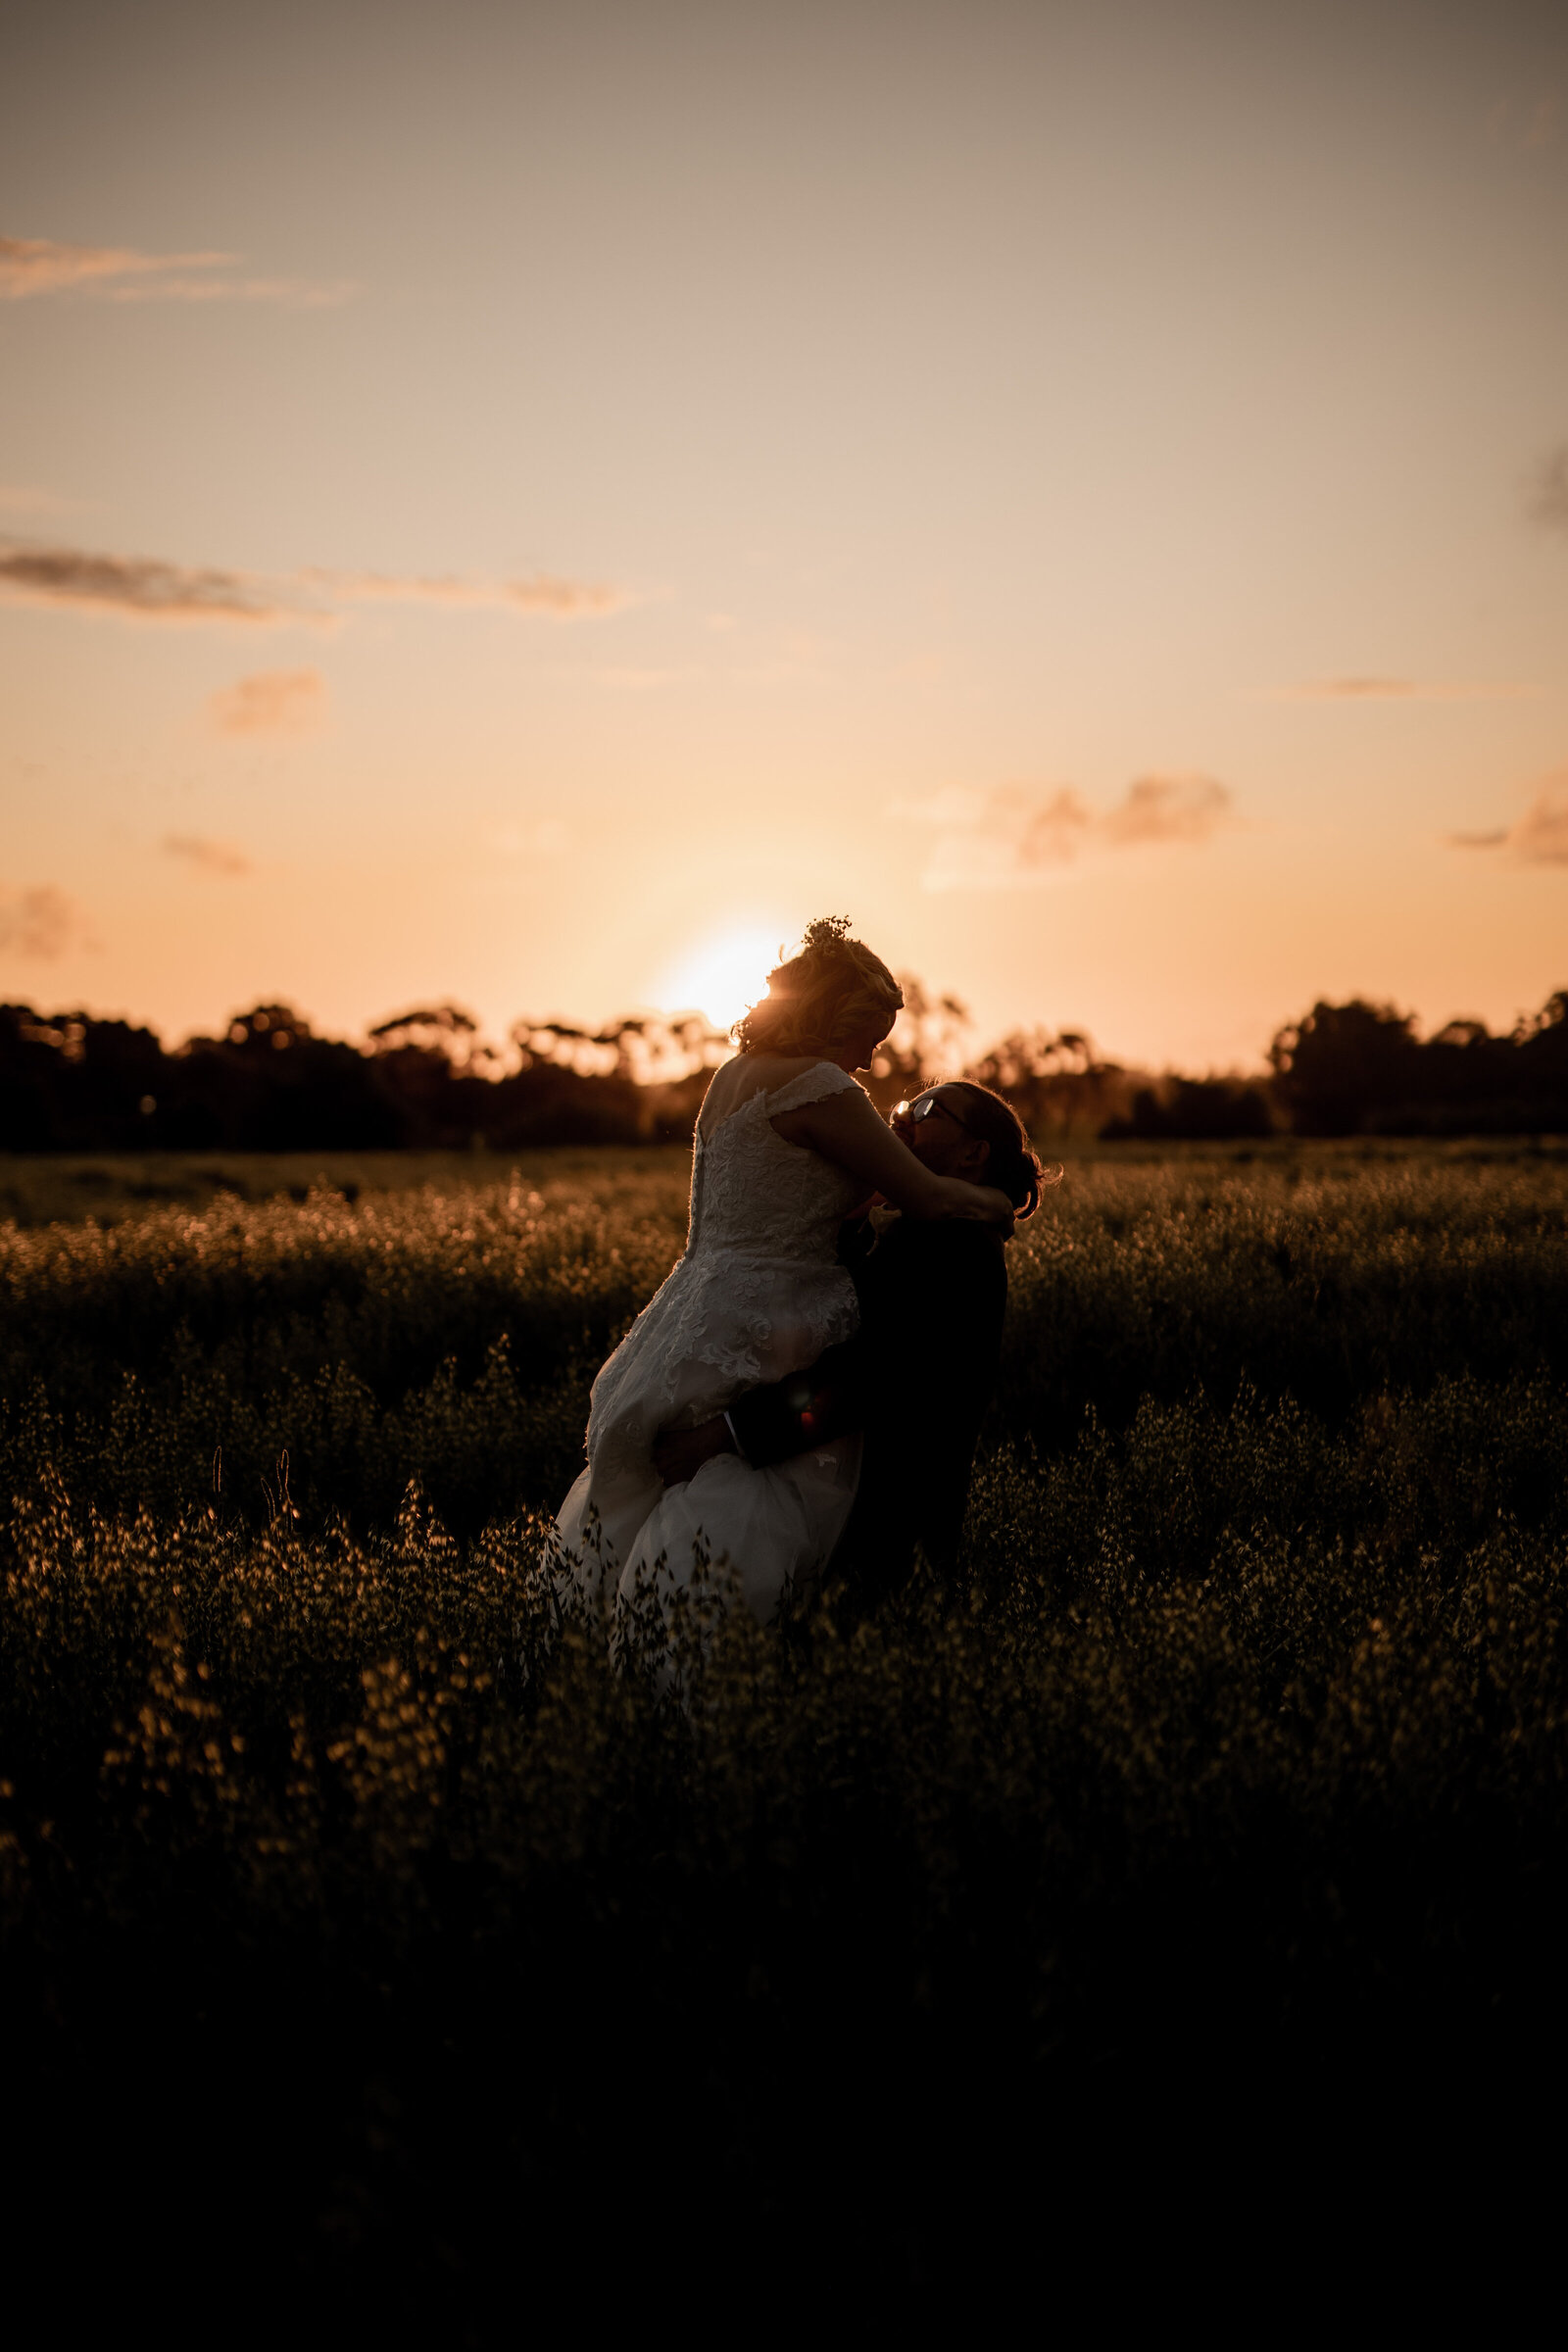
(916, 1378)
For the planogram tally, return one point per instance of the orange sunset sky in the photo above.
(529, 504)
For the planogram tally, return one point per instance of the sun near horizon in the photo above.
(511, 507)
(721, 974)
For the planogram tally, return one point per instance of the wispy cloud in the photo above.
(30, 267)
(545, 594)
(1540, 835)
(289, 293)
(1549, 491)
(147, 588)
(1167, 808)
(1407, 690)
(206, 856)
(30, 498)
(138, 587)
(1009, 839)
(41, 922)
(272, 702)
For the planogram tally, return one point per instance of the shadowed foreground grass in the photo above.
(356, 1911)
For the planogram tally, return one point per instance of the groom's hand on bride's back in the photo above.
(679, 1453)
(1000, 1211)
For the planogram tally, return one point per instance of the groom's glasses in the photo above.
(923, 1107)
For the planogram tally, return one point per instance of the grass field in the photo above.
(372, 1909)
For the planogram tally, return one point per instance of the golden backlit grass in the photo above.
(1238, 1746)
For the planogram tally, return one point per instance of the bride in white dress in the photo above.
(786, 1146)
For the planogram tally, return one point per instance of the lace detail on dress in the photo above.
(758, 1290)
(759, 1293)
(814, 1085)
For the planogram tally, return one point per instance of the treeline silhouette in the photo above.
(427, 1080)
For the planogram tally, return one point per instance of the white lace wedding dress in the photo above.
(757, 1294)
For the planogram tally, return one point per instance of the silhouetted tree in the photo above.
(640, 1079)
(440, 1073)
(269, 1085)
(68, 1082)
(1340, 1063)
(1055, 1081)
(922, 1046)
(1209, 1111)
(1359, 1068)
(1541, 1042)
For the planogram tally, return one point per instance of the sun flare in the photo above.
(722, 974)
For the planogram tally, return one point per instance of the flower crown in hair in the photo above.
(828, 932)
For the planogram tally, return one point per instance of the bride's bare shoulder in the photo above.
(777, 1069)
(735, 1081)
(759, 1073)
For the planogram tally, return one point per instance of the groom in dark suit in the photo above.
(917, 1376)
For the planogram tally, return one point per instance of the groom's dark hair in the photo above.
(1012, 1165)
(817, 998)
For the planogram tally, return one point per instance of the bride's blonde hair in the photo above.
(818, 999)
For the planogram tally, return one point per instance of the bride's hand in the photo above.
(978, 1203)
(991, 1208)
(1003, 1214)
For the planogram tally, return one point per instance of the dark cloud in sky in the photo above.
(144, 588)
(137, 586)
